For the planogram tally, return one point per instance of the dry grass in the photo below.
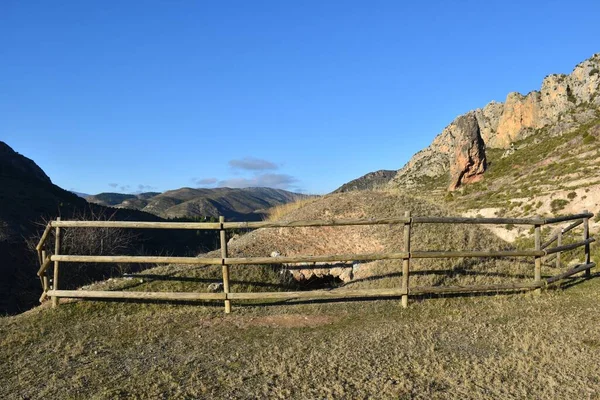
(498, 346)
(518, 346)
(278, 212)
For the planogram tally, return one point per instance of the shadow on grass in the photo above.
(216, 304)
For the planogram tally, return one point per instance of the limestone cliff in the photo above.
(563, 102)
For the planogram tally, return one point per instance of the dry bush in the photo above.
(89, 241)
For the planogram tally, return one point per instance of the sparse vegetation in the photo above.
(558, 204)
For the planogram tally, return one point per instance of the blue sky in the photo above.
(307, 95)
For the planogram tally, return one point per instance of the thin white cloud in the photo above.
(205, 181)
(276, 181)
(252, 164)
(113, 185)
(146, 188)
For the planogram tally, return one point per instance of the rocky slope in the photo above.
(234, 204)
(457, 155)
(371, 180)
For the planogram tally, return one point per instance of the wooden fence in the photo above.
(539, 251)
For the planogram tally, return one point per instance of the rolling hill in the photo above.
(234, 204)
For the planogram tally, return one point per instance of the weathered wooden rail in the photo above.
(538, 252)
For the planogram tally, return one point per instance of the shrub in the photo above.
(558, 204)
(90, 241)
(571, 195)
(589, 139)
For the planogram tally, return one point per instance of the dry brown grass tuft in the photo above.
(279, 212)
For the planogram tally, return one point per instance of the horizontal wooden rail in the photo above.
(318, 294)
(466, 220)
(296, 259)
(314, 223)
(568, 247)
(314, 259)
(455, 254)
(136, 225)
(138, 259)
(310, 223)
(572, 271)
(562, 231)
(474, 288)
(174, 296)
(568, 218)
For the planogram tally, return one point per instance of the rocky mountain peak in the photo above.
(562, 103)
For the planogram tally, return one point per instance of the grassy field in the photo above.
(492, 346)
(503, 346)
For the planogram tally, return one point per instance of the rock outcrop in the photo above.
(368, 181)
(468, 163)
(563, 102)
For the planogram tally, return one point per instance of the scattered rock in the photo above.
(215, 287)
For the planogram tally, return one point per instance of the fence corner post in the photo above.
(558, 244)
(225, 267)
(406, 260)
(538, 259)
(586, 235)
(55, 299)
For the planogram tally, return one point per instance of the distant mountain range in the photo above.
(233, 204)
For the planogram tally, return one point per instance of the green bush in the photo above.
(589, 139)
(558, 204)
(571, 195)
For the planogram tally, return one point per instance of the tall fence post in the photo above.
(55, 299)
(558, 244)
(225, 267)
(586, 236)
(406, 261)
(538, 259)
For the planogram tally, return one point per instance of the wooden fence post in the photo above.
(558, 244)
(45, 277)
(406, 261)
(586, 236)
(538, 259)
(55, 299)
(225, 267)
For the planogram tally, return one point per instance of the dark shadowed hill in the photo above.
(234, 204)
(28, 197)
(369, 181)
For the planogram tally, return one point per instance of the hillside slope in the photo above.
(234, 204)
(27, 198)
(372, 180)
